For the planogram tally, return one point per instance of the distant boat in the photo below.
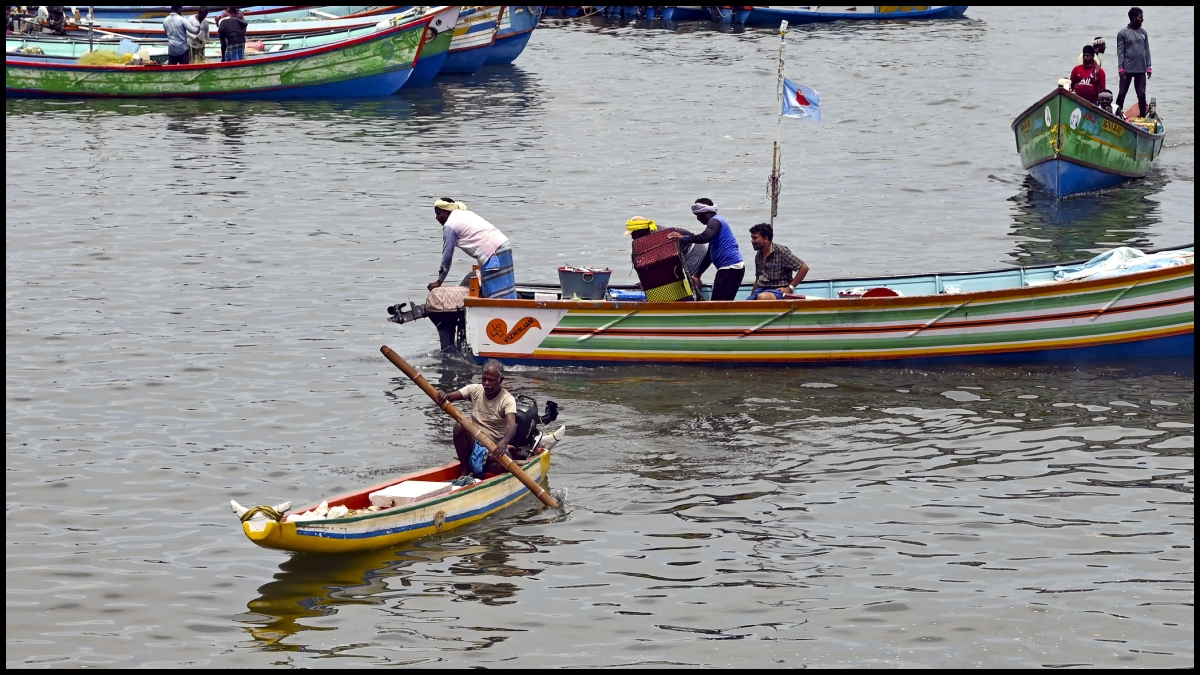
(375, 64)
(474, 38)
(516, 27)
(771, 16)
(1070, 146)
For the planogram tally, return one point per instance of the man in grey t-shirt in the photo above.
(1133, 61)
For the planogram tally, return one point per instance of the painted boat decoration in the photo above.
(474, 38)
(359, 530)
(1010, 315)
(1070, 146)
(516, 27)
(375, 64)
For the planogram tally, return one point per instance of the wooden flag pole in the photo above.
(773, 186)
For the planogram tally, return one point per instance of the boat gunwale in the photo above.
(421, 504)
(286, 55)
(1060, 91)
(1050, 289)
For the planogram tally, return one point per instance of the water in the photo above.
(195, 299)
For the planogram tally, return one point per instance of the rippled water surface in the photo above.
(194, 307)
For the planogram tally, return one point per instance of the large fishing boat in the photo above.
(1070, 146)
(1047, 313)
(377, 63)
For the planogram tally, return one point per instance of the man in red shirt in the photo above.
(1087, 80)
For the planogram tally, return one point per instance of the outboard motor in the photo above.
(529, 425)
(445, 308)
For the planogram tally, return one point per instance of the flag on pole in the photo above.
(800, 101)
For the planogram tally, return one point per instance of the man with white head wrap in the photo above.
(482, 241)
(723, 252)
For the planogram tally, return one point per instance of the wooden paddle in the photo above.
(467, 424)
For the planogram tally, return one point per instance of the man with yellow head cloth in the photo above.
(482, 241)
(637, 227)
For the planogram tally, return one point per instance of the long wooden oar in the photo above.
(467, 424)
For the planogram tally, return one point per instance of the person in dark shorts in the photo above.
(723, 252)
(776, 269)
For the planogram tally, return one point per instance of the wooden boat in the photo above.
(771, 16)
(516, 27)
(1009, 315)
(255, 30)
(396, 525)
(374, 64)
(1070, 146)
(255, 13)
(474, 38)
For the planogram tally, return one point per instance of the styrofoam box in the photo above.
(407, 492)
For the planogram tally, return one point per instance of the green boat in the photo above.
(371, 62)
(1070, 146)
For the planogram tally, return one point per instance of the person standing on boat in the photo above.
(198, 40)
(776, 269)
(1133, 61)
(482, 241)
(723, 252)
(1098, 47)
(494, 411)
(1087, 80)
(178, 30)
(231, 31)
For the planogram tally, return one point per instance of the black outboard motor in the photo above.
(528, 425)
(445, 309)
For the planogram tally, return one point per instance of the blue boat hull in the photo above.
(507, 49)
(762, 16)
(426, 69)
(467, 61)
(1062, 178)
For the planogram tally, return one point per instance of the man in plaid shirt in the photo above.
(774, 265)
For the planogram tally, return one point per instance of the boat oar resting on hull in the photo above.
(400, 510)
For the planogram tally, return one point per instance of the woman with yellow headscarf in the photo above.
(638, 227)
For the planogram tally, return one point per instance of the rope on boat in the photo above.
(268, 511)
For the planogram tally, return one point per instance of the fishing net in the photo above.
(104, 57)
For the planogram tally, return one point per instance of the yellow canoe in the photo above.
(399, 524)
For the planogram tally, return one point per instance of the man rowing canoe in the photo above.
(494, 411)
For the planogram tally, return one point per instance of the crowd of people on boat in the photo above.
(187, 37)
(1089, 80)
(777, 271)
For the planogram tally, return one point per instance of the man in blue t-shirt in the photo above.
(723, 250)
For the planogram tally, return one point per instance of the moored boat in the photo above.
(1010, 315)
(255, 30)
(516, 27)
(771, 16)
(374, 64)
(1070, 146)
(360, 530)
(474, 38)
